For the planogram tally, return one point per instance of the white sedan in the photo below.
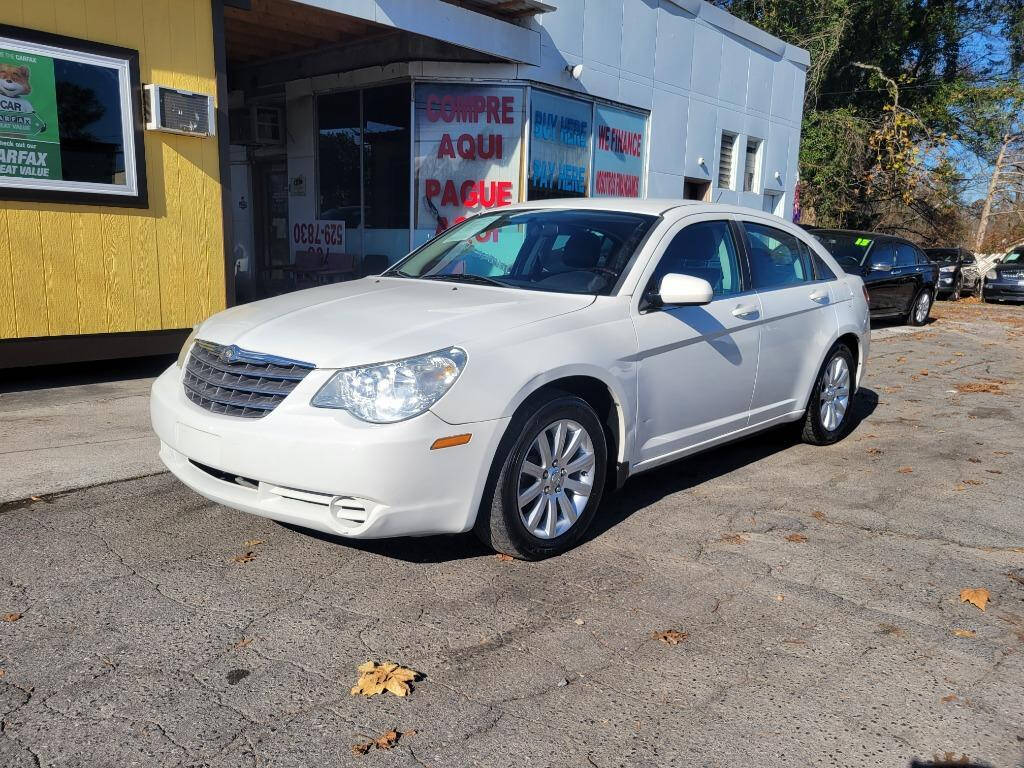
(506, 374)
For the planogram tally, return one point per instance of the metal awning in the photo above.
(505, 9)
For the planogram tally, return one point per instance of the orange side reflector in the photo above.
(448, 442)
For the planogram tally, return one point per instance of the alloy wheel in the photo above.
(556, 479)
(924, 303)
(834, 393)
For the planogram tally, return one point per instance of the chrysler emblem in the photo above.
(229, 353)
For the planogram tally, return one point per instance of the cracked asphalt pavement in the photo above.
(818, 589)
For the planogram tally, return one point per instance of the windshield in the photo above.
(848, 248)
(569, 251)
(1014, 257)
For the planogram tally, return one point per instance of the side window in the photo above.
(822, 271)
(775, 258)
(883, 256)
(906, 255)
(922, 258)
(705, 250)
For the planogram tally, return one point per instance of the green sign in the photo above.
(29, 135)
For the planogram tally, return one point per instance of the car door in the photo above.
(879, 278)
(798, 322)
(909, 276)
(696, 364)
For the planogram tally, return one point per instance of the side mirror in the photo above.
(684, 290)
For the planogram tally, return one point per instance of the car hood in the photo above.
(381, 318)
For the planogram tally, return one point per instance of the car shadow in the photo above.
(638, 493)
(650, 487)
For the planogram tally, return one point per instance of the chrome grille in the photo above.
(237, 382)
(1013, 274)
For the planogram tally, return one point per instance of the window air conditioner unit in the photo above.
(256, 126)
(184, 112)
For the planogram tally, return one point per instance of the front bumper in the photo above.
(325, 469)
(1009, 291)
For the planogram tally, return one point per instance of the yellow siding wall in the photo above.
(70, 269)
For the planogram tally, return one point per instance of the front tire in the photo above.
(921, 307)
(830, 407)
(547, 480)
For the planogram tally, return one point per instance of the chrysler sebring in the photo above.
(505, 375)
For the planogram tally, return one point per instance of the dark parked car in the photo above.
(1005, 281)
(958, 271)
(900, 279)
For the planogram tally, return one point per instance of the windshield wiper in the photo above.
(478, 279)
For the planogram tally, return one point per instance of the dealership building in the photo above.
(163, 159)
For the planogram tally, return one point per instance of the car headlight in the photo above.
(991, 275)
(394, 391)
(947, 269)
(183, 355)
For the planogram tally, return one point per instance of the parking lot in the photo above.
(813, 596)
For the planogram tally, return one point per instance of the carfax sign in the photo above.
(29, 134)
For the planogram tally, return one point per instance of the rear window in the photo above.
(848, 248)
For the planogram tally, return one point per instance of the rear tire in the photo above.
(829, 409)
(920, 308)
(538, 504)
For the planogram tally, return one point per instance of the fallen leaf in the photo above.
(579, 622)
(253, 543)
(974, 460)
(387, 741)
(36, 498)
(976, 387)
(242, 643)
(796, 538)
(1017, 574)
(959, 487)
(924, 372)
(977, 597)
(2, 671)
(950, 757)
(10, 617)
(964, 632)
(971, 481)
(246, 557)
(780, 597)
(901, 359)
(818, 514)
(891, 629)
(994, 471)
(376, 678)
(874, 451)
(947, 699)
(1002, 453)
(905, 470)
(504, 558)
(671, 636)
(733, 538)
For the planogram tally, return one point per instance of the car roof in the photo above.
(861, 233)
(652, 206)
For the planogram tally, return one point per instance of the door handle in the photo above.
(745, 310)
(820, 296)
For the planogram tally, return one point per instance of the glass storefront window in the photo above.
(560, 141)
(339, 145)
(468, 152)
(620, 139)
(386, 171)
